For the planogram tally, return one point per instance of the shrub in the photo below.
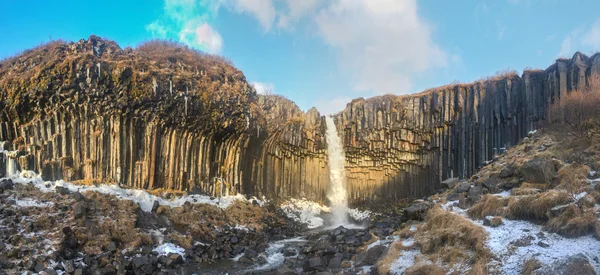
(579, 109)
(425, 269)
(534, 207)
(488, 205)
(530, 265)
(573, 222)
(573, 178)
(450, 238)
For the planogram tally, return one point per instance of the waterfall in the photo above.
(10, 160)
(336, 194)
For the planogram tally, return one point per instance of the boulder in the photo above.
(369, 257)
(6, 184)
(417, 210)
(335, 262)
(463, 187)
(475, 194)
(538, 170)
(453, 197)
(62, 190)
(314, 264)
(79, 210)
(507, 171)
(284, 270)
(578, 264)
(449, 183)
(491, 184)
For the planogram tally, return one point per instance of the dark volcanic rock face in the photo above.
(162, 116)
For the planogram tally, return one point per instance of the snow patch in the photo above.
(141, 197)
(359, 215)
(503, 194)
(406, 260)
(304, 211)
(27, 202)
(168, 248)
(501, 241)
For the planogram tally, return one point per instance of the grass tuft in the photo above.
(488, 205)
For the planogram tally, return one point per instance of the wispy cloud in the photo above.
(583, 38)
(380, 45)
(189, 22)
(263, 88)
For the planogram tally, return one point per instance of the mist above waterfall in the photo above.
(336, 194)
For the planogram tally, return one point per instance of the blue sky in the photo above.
(325, 52)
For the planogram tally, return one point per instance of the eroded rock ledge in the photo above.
(162, 116)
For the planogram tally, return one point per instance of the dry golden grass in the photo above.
(185, 241)
(596, 196)
(425, 269)
(573, 222)
(452, 239)
(573, 178)
(540, 186)
(488, 205)
(530, 265)
(524, 191)
(534, 207)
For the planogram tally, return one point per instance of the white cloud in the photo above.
(201, 35)
(332, 106)
(585, 38)
(187, 20)
(382, 44)
(263, 88)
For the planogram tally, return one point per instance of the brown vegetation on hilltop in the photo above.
(530, 265)
(579, 109)
(158, 79)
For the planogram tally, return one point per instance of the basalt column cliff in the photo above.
(163, 116)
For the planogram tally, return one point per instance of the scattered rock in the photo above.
(524, 241)
(453, 197)
(576, 264)
(543, 244)
(78, 196)
(155, 206)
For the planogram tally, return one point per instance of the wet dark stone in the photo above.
(62, 190)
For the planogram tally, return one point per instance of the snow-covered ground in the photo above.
(544, 246)
(141, 197)
(305, 211)
(310, 213)
(28, 202)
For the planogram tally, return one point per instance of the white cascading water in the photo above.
(337, 177)
(10, 160)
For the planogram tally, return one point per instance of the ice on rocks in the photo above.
(359, 215)
(168, 248)
(28, 202)
(305, 211)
